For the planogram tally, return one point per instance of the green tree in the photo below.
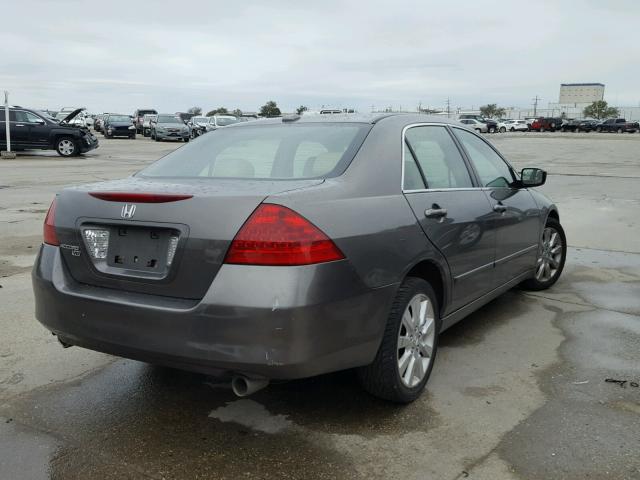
(270, 109)
(237, 112)
(492, 111)
(195, 110)
(600, 110)
(301, 109)
(218, 111)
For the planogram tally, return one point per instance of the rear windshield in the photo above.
(141, 113)
(119, 118)
(275, 151)
(168, 119)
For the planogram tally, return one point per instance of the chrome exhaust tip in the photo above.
(243, 386)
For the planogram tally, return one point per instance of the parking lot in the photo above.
(518, 390)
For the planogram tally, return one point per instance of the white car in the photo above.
(146, 123)
(517, 126)
(220, 121)
(476, 125)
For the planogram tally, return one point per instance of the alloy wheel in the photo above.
(66, 147)
(416, 338)
(550, 256)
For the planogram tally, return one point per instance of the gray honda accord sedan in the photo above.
(292, 247)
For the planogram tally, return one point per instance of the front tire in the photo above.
(67, 147)
(503, 129)
(407, 352)
(552, 254)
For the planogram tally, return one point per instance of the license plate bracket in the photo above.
(141, 249)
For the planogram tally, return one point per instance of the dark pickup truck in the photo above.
(619, 125)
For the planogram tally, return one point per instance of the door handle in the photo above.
(500, 208)
(435, 212)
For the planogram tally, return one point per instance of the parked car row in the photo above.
(548, 124)
(552, 124)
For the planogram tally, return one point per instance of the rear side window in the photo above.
(273, 151)
(438, 157)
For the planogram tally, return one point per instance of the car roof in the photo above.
(370, 118)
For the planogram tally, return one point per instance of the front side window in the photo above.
(32, 118)
(492, 170)
(438, 157)
(276, 151)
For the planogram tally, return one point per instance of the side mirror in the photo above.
(533, 177)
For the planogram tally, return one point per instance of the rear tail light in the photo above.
(49, 230)
(276, 235)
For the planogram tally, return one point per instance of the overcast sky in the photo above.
(171, 55)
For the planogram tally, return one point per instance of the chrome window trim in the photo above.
(404, 146)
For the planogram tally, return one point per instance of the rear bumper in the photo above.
(274, 322)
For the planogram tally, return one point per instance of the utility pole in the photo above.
(448, 107)
(535, 105)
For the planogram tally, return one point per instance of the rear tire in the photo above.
(399, 374)
(555, 260)
(619, 130)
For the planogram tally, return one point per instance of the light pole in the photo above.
(8, 153)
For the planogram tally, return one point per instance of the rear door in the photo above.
(453, 213)
(19, 128)
(514, 213)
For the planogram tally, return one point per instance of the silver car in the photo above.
(292, 247)
(165, 126)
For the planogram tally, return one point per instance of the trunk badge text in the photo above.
(128, 211)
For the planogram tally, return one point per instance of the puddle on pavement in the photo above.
(157, 420)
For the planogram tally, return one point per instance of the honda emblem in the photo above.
(128, 211)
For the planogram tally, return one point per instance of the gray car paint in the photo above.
(284, 322)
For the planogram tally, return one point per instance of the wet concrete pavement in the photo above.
(518, 390)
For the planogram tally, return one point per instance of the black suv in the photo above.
(34, 130)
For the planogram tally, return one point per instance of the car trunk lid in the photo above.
(171, 243)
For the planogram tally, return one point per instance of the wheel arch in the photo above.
(431, 272)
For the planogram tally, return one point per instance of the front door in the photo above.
(514, 215)
(38, 129)
(452, 212)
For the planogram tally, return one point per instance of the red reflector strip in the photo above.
(139, 197)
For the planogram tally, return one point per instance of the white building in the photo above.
(580, 94)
